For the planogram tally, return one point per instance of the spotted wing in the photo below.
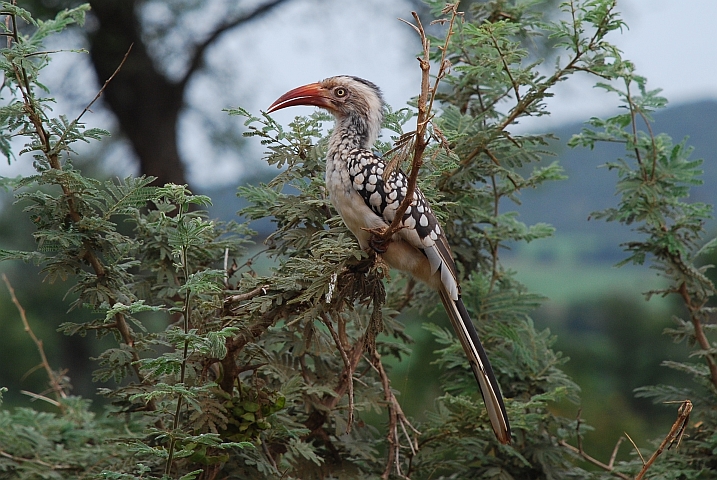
(421, 228)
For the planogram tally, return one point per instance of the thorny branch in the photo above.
(425, 106)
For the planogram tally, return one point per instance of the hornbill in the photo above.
(354, 179)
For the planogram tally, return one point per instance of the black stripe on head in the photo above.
(371, 85)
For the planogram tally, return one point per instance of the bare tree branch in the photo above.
(674, 435)
(201, 48)
(55, 380)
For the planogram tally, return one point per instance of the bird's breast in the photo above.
(351, 206)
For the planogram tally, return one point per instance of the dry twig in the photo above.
(609, 467)
(675, 435)
(396, 418)
(54, 378)
(425, 106)
(260, 290)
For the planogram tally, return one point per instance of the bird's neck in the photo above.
(351, 132)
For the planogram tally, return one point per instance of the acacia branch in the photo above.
(699, 331)
(524, 103)
(425, 106)
(36, 117)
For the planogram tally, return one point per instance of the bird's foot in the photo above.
(377, 243)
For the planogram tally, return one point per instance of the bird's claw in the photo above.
(376, 242)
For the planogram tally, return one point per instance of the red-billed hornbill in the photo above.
(354, 179)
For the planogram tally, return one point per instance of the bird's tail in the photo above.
(479, 363)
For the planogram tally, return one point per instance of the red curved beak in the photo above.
(311, 94)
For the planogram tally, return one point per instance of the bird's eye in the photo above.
(340, 92)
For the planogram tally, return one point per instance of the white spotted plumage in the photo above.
(354, 179)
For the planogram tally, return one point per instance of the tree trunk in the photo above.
(145, 102)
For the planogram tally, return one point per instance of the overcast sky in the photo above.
(670, 41)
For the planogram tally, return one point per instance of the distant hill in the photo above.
(568, 204)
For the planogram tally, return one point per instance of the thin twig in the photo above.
(614, 451)
(579, 450)
(425, 107)
(636, 448)
(594, 461)
(35, 461)
(260, 290)
(633, 124)
(43, 398)
(675, 435)
(104, 86)
(505, 66)
(55, 382)
(348, 369)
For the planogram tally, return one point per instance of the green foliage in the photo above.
(653, 184)
(221, 370)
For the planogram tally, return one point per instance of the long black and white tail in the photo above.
(479, 363)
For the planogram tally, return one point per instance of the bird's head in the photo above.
(353, 101)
